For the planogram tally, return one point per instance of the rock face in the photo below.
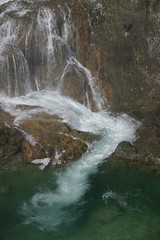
(124, 52)
(126, 36)
(42, 137)
(54, 139)
(145, 151)
(119, 42)
(10, 141)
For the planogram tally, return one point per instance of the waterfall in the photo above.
(39, 69)
(51, 209)
(35, 53)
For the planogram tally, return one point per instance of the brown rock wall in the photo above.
(49, 137)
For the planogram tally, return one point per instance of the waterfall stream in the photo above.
(35, 58)
(36, 53)
(50, 209)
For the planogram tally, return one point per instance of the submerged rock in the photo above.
(4, 190)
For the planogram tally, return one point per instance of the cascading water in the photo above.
(50, 209)
(35, 62)
(36, 55)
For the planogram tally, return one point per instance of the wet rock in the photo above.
(119, 41)
(75, 85)
(124, 56)
(55, 140)
(128, 38)
(41, 137)
(31, 152)
(144, 152)
(126, 150)
(10, 140)
(6, 117)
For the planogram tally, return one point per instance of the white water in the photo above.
(50, 209)
(36, 53)
(4, 1)
(42, 163)
(42, 63)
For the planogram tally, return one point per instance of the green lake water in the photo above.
(121, 204)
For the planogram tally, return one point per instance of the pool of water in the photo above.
(121, 203)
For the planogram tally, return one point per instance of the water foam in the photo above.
(36, 52)
(50, 209)
(5, 1)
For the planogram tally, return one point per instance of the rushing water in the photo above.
(36, 52)
(58, 204)
(50, 209)
(88, 198)
(55, 204)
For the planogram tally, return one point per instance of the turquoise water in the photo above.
(121, 203)
(61, 203)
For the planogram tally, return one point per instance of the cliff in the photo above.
(118, 41)
(124, 54)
